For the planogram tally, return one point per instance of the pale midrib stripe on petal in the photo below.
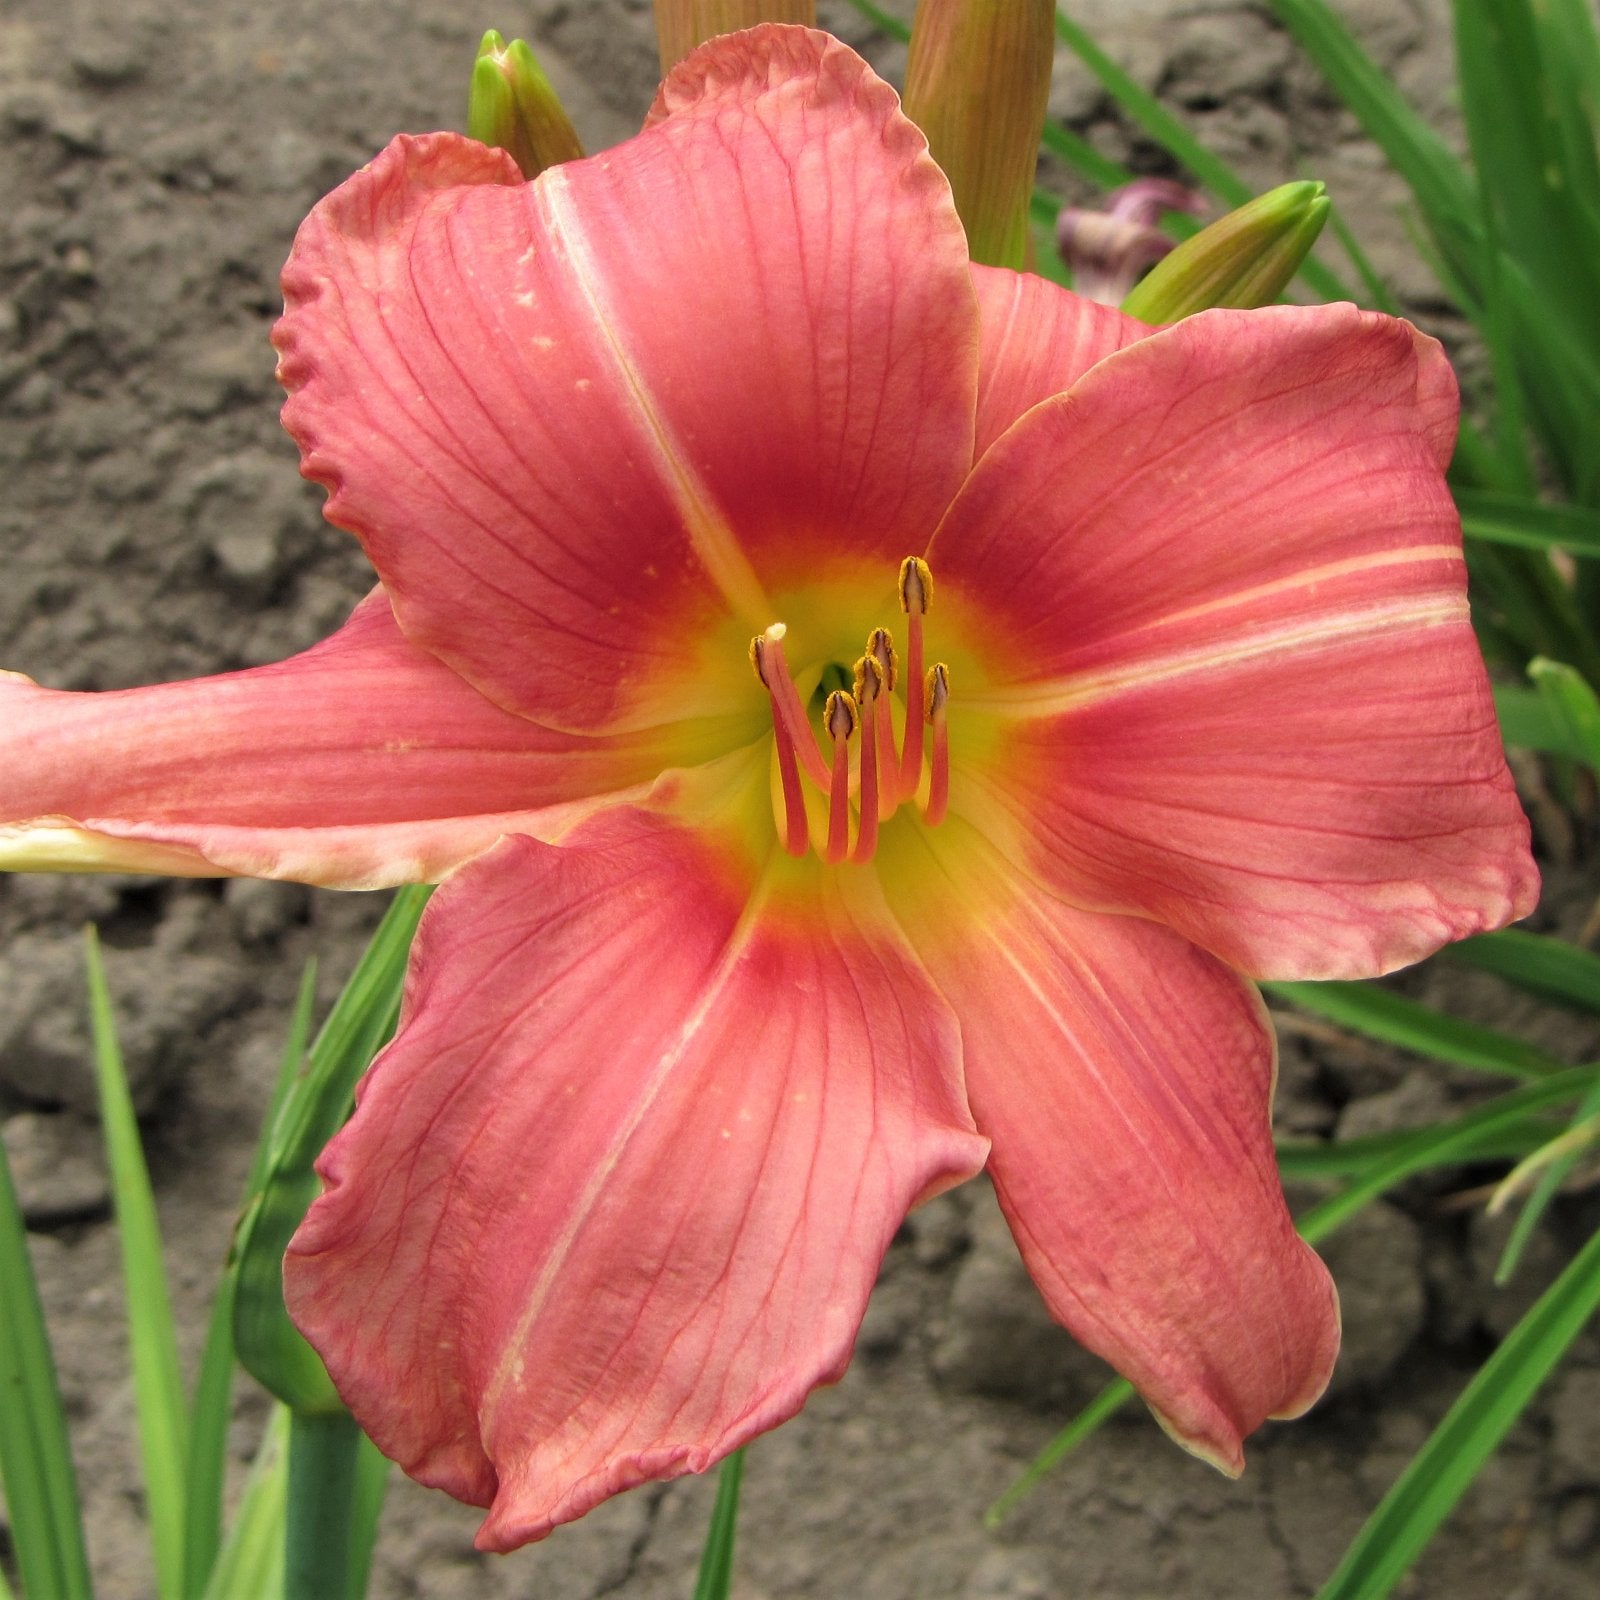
(1059, 695)
(582, 1211)
(1309, 579)
(714, 541)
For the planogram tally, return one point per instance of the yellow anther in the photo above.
(880, 646)
(936, 689)
(916, 585)
(840, 714)
(869, 682)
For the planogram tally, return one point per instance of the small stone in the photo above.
(1418, 1100)
(891, 1315)
(106, 60)
(1009, 1575)
(1575, 1429)
(1300, 1109)
(998, 1338)
(164, 1006)
(125, 477)
(244, 505)
(291, 161)
(77, 261)
(1376, 1261)
(58, 1167)
(1577, 1523)
(27, 109)
(248, 556)
(938, 1230)
(262, 909)
(33, 397)
(78, 130)
(1217, 58)
(1502, 1306)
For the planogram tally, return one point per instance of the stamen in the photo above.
(916, 592)
(869, 681)
(841, 717)
(880, 646)
(938, 694)
(772, 668)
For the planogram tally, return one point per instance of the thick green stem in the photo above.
(321, 1520)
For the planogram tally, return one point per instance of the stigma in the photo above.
(851, 761)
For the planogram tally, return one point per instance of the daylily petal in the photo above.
(1234, 685)
(612, 1201)
(577, 422)
(1036, 339)
(1125, 1078)
(359, 763)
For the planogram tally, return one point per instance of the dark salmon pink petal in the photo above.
(1233, 679)
(576, 423)
(360, 763)
(612, 1201)
(1036, 339)
(1124, 1078)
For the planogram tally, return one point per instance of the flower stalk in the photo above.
(320, 1514)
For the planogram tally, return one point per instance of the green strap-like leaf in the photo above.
(716, 1560)
(41, 1488)
(1426, 1492)
(1536, 962)
(1383, 1014)
(270, 1347)
(212, 1411)
(1525, 720)
(1572, 705)
(1511, 519)
(1563, 1154)
(1517, 147)
(152, 1335)
(251, 1559)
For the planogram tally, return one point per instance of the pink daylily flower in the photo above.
(728, 969)
(1110, 248)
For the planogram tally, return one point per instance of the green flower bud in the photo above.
(512, 106)
(683, 25)
(1242, 260)
(976, 84)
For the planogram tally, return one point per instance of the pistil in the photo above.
(772, 667)
(797, 833)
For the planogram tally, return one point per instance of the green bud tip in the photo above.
(1243, 260)
(512, 106)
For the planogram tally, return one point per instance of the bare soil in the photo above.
(155, 158)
